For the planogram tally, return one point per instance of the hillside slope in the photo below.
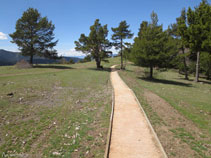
(11, 58)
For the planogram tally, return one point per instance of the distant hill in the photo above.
(11, 58)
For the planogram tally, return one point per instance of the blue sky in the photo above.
(73, 17)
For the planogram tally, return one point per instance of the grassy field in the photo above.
(54, 110)
(179, 110)
(64, 110)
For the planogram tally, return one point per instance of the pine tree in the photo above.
(206, 63)
(34, 35)
(182, 36)
(199, 31)
(96, 44)
(120, 33)
(149, 47)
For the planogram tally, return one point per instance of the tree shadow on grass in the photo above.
(200, 81)
(165, 81)
(205, 82)
(103, 69)
(53, 66)
(127, 70)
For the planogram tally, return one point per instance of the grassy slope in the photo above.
(59, 109)
(192, 100)
(66, 109)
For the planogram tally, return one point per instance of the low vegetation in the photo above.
(178, 109)
(54, 110)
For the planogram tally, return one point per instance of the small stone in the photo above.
(67, 144)
(20, 99)
(73, 141)
(56, 153)
(67, 136)
(77, 134)
(78, 101)
(77, 128)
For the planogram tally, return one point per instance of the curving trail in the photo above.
(132, 135)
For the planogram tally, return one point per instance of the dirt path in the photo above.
(132, 135)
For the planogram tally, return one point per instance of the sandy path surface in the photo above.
(132, 136)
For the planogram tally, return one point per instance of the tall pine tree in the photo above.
(96, 44)
(199, 31)
(182, 36)
(34, 35)
(149, 47)
(120, 33)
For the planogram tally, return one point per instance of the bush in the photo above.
(63, 61)
(23, 65)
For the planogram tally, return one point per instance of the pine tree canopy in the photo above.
(96, 44)
(119, 34)
(199, 30)
(149, 47)
(34, 35)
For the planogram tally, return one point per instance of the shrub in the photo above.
(23, 65)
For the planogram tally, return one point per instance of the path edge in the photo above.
(151, 128)
(108, 142)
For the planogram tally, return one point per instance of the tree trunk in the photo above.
(208, 74)
(197, 67)
(121, 56)
(185, 65)
(151, 72)
(98, 63)
(31, 60)
(125, 61)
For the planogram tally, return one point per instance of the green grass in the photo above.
(190, 99)
(188, 138)
(55, 108)
(65, 109)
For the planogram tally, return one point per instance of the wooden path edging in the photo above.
(106, 155)
(151, 128)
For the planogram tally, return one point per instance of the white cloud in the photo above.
(114, 51)
(3, 36)
(71, 52)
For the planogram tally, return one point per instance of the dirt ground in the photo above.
(173, 120)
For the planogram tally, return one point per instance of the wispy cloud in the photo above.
(3, 36)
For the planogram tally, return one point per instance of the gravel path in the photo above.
(132, 135)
